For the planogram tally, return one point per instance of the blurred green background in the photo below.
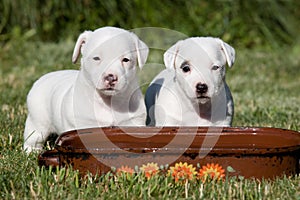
(242, 23)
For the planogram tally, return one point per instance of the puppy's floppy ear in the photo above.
(229, 53)
(170, 55)
(142, 51)
(79, 43)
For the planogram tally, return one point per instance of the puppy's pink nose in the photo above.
(111, 78)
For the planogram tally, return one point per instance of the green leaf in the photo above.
(230, 169)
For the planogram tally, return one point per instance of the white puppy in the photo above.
(192, 90)
(104, 92)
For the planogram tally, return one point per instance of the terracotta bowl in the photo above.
(251, 152)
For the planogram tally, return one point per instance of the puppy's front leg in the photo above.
(34, 138)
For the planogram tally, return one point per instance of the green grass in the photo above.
(270, 23)
(266, 91)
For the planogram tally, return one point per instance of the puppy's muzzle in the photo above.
(110, 80)
(201, 92)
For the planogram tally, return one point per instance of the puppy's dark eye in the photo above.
(125, 60)
(215, 67)
(96, 58)
(185, 67)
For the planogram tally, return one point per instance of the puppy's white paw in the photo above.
(30, 149)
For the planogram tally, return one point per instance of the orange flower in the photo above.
(150, 169)
(126, 170)
(182, 172)
(213, 171)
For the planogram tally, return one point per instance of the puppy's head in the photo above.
(109, 58)
(200, 63)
